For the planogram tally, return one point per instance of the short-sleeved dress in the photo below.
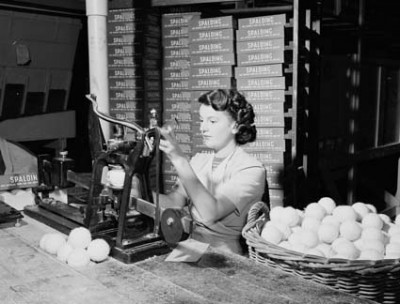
(239, 179)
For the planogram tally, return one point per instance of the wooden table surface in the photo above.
(28, 275)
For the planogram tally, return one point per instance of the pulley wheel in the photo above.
(171, 226)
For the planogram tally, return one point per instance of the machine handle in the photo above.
(131, 125)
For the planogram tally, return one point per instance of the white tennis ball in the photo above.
(98, 250)
(272, 234)
(350, 230)
(78, 257)
(64, 251)
(315, 210)
(344, 213)
(290, 216)
(53, 242)
(328, 203)
(80, 237)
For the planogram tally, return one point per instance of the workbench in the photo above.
(30, 275)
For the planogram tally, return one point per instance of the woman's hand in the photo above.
(168, 143)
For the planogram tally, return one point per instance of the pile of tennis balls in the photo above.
(353, 232)
(77, 249)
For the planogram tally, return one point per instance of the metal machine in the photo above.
(118, 201)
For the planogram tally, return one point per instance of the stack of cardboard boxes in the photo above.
(260, 45)
(212, 54)
(134, 58)
(176, 94)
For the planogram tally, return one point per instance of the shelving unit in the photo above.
(300, 55)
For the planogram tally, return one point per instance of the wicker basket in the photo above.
(374, 280)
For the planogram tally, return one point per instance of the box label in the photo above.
(212, 35)
(224, 46)
(267, 32)
(262, 21)
(258, 58)
(210, 83)
(267, 70)
(213, 59)
(260, 45)
(265, 96)
(272, 83)
(211, 23)
(211, 72)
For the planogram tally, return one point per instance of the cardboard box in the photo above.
(211, 35)
(266, 32)
(183, 52)
(125, 72)
(177, 116)
(271, 108)
(122, 94)
(183, 138)
(268, 120)
(133, 50)
(20, 167)
(178, 19)
(252, 71)
(132, 14)
(260, 45)
(131, 116)
(271, 83)
(176, 74)
(224, 46)
(272, 157)
(224, 71)
(276, 194)
(152, 84)
(133, 61)
(174, 32)
(122, 50)
(266, 145)
(270, 133)
(126, 83)
(211, 83)
(154, 96)
(175, 42)
(176, 63)
(150, 73)
(274, 168)
(180, 84)
(137, 39)
(262, 21)
(179, 95)
(182, 106)
(274, 181)
(265, 95)
(200, 24)
(213, 59)
(122, 106)
(260, 58)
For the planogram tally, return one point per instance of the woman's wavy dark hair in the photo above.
(238, 107)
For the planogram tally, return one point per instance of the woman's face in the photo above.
(217, 127)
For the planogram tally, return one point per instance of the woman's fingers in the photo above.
(168, 132)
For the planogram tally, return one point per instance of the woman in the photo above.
(220, 187)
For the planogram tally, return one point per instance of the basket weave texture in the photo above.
(374, 280)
